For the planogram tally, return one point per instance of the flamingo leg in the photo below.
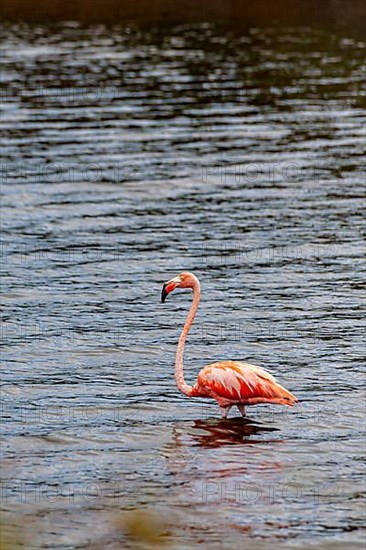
(241, 409)
(225, 411)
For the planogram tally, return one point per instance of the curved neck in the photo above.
(179, 377)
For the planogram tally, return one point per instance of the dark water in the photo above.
(130, 156)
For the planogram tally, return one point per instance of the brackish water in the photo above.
(129, 156)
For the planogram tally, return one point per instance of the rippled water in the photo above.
(129, 156)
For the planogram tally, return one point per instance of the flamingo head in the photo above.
(184, 280)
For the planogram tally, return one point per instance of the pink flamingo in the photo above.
(229, 382)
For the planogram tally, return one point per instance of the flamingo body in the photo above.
(228, 382)
(236, 383)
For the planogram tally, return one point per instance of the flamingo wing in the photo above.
(237, 382)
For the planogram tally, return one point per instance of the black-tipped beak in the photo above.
(164, 293)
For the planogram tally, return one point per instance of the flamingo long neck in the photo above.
(179, 376)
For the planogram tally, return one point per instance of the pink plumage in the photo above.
(228, 382)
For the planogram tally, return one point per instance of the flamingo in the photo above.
(228, 382)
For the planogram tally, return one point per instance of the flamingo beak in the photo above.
(169, 287)
(164, 293)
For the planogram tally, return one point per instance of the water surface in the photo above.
(131, 155)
